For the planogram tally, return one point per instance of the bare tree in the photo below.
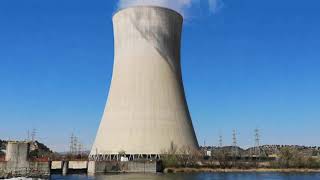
(222, 158)
(189, 156)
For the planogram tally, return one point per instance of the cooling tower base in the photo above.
(120, 157)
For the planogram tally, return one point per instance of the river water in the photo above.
(196, 176)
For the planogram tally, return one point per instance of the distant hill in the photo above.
(266, 150)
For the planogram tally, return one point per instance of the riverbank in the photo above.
(234, 170)
(12, 175)
(4, 175)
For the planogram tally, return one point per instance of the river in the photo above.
(196, 176)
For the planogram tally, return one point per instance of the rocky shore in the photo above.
(34, 174)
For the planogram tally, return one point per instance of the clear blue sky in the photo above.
(251, 64)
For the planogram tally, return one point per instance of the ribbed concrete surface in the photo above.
(146, 109)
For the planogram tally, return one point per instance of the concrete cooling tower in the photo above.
(146, 111)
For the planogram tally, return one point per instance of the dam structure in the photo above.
(146, 113)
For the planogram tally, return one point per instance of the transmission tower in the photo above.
(220, 141)
(234, 142)
(33, 134)
(79, 148)
(75, 145)
(28, 135)
(257, 142)
(72, 144)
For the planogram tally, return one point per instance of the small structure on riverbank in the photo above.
(17, 153)
(17, 162)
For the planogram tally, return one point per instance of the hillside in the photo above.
(266, 150)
